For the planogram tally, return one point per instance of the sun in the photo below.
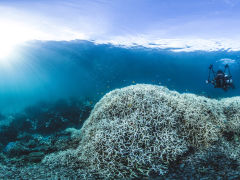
(6, 48)
(12, 34)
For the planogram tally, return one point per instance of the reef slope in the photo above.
(145, 130)
(140, 131)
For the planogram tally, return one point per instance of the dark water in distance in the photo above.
(51, 70)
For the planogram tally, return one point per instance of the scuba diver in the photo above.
(220, 79)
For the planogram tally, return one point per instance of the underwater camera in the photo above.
(220, 79)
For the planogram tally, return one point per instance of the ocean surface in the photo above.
(50, 70)
(48, 86)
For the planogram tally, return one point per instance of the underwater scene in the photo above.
(133, 89)
(82, 110)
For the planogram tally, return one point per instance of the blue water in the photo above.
(47, 71)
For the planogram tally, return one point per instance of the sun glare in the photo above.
(12, 34)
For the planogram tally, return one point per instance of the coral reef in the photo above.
(141, 130)
(232, 112)
(210, 163)
(28, 136)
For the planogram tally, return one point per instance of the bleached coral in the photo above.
(231, 108)
(139, 130)
(130, 138)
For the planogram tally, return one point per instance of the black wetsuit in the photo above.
(220, 80)
(223, 81)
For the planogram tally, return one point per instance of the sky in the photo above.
(22, 20)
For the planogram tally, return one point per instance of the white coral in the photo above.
(140, 129)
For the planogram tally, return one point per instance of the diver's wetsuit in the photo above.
(223, 81)
(219, 79)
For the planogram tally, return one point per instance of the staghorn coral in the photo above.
(139, 130)
(232, 112)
